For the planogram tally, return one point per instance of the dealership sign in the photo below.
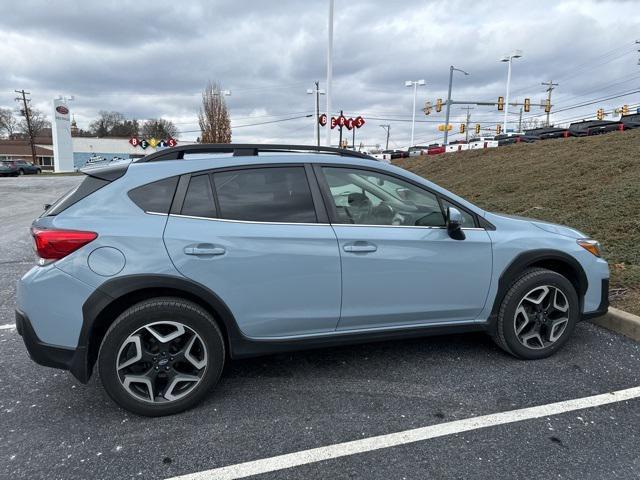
(152, 142)
(342, 121)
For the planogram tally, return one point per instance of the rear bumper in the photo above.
(604, 302)
(72, 359)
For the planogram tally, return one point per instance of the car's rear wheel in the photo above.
(537, 315)
(161, 356)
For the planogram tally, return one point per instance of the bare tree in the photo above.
(159, 128)
(39, 123)
(8, 122)
(114, 124)
(214, 116)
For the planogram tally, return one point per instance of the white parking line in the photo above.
(338, 450)
(8, 326)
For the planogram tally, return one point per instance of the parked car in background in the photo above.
(8, 169)
(25, 168)
(511, 138)
(593, 127)
(630, 121)
(545, 133)
(418, 150)
(204, 258)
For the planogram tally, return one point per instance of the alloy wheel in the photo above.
(541, 317)
(161, 362)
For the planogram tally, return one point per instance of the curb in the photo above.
(621, 322)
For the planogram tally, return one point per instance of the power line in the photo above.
(256, 124)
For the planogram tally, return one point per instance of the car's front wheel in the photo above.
(161, 356)
(537, 314)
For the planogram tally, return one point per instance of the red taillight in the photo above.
(56, 244)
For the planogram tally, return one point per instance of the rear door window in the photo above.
(198, 201)
(267, 194)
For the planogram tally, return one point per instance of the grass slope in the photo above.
(589, 183)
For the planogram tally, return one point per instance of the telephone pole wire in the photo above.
(27, 116)
(550, 86)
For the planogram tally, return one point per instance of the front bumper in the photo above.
(603, 308)
(72, 359)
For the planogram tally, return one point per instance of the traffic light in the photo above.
(477, 129)
(439, 105)
(625, 109)
(547, 105)
(427, 108)
(600, 114)
(462, 127)
(527, 104)
(500, 103)
(498, 129)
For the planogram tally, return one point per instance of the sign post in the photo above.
(61, 132)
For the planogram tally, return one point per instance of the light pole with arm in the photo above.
(448, 111)
(414, 84)
(509, 60)
(329, 71)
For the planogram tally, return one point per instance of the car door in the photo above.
(256, 237)
(399, 265)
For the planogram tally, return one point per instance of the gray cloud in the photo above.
(150, 59)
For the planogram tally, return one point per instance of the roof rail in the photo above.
(244, 149)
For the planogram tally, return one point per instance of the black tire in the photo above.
(149, 311)
(21, 172)
(505, 328)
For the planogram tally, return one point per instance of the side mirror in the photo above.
(454, 223)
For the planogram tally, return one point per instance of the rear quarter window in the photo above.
(155, 197)
(88, 186)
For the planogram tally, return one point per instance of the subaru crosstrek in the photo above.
(158, 271)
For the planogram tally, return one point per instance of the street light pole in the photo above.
(448, 111)
(509, 60)
(329, 71)
(414, 84)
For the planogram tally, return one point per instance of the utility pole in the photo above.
(387, 128)
(317, 93)
(550, 86)
(318, 112)
(466, 125)
(27, 116)
(520, 121)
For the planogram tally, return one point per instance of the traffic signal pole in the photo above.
(448, 111)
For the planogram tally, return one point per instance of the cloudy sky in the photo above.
(152, 58)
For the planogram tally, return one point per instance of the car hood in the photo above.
(546, 226)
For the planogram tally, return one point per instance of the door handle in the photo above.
(360, 247)
(204, 250)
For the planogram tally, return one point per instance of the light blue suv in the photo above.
(160, 270)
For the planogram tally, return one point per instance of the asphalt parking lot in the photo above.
(51, 426)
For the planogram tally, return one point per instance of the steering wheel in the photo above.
(384, 213)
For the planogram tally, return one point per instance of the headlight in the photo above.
(591, 246)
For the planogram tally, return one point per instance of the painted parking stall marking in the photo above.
(8, 326)
(304, 457)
